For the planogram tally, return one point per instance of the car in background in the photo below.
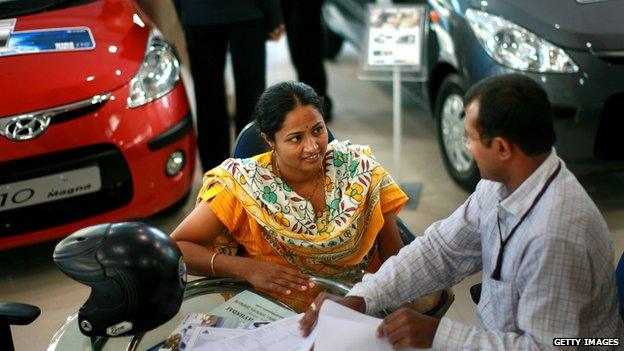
(574, 49)
(95, 124)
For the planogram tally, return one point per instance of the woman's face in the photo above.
(302, 141)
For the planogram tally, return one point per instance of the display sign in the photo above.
(395, 37)
(46, 40)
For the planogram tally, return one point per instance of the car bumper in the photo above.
(129, 146)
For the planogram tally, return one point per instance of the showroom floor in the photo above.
(363, 114)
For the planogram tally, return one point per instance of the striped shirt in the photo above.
(557, 276)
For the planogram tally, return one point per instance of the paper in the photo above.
(283, 335)
(205, 335)
(185, 332)
(341, 328)
(247, 307)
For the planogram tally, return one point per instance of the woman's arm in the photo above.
(389, 239)
(195, 235)
(198, 230)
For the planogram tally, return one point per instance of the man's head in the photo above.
(507, 116)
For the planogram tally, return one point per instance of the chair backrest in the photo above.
(250, 143)
(619, 279)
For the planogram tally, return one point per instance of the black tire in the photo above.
(459, 163)
(333, 43)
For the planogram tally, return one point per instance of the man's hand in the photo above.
(277, 33)
(276, 278)
(309, 319)
(408, 328)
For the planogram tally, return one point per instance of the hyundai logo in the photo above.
(24, 127)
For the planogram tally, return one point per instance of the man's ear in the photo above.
(503, 148)
(267, 140)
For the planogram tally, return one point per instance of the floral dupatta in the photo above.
(338, 241)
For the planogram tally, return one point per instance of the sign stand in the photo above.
(394, 43)
(397, 128)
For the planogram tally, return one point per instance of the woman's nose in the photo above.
(310, 144)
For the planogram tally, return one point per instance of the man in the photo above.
(541, 243)
(212, 28)
(306, 44)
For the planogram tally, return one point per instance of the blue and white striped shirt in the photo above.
(557, 276)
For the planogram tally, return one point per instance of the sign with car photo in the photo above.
(395, 38)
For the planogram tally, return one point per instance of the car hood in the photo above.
(567, 23)
(31, 82)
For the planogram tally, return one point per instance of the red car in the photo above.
(95, 124)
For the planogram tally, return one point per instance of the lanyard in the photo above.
(499, 260)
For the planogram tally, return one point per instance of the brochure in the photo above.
(179, 339)
(237, 315)
(247, 310)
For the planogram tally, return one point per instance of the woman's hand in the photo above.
(276, 278)
(309, 319)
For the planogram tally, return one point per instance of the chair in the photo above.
(619, 279)
(13, 313)
(250, 143)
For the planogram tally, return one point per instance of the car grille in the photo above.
(116, 188)
(608, 143)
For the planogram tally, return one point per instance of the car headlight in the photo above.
(158, 74)
(515, 47)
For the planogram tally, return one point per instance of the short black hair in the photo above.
(278, 100)
(516, 107)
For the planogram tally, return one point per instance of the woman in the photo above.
(305, 208)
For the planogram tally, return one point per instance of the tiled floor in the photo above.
(363, 115)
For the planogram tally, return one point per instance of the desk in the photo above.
(200, 296)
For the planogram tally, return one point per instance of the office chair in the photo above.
(250, 143)
(13, 313)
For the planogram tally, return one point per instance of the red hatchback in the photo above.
(95, 124)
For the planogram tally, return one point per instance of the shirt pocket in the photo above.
(503, 306)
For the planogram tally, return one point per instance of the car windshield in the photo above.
(15, 8)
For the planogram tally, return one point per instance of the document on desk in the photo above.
(341, 328)
(283, 335)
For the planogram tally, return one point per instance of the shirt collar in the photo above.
(520, 200)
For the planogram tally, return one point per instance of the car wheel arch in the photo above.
(436, 77)
(458, 163)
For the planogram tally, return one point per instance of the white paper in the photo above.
(247, 307)
(283, 335)
(206, 335)
(340, 328)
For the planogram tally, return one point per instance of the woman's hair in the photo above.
(278, 100)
